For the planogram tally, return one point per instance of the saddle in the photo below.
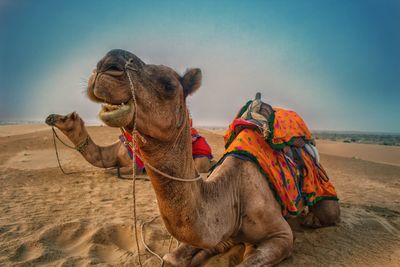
(280, 143)
(259, 115)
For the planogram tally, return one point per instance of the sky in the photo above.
(335, 62)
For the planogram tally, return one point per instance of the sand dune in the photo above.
(376, 153)
(20, 129)
(51, 219)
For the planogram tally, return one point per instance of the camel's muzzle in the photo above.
(51, 120)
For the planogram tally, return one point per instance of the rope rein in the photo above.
(144, 242)
(55, 148)
(134, 164)
(56, 135)
(151, 167)
(136, 134)
(81, 147)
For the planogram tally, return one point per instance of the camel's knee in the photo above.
(270, 252)
(288, 244)
(327, 211)
(125, 170)
(232, 257)
(201, 257)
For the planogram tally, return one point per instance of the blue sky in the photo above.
(337, 63)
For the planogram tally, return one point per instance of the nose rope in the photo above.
(135, 134)
(127, 66)
(80, 148)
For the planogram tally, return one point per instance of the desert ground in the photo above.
(85, 218)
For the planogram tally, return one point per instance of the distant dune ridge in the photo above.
(85, 218)
(387, 139)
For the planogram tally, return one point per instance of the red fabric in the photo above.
(194, 132)
(200, 147)
(128, 136)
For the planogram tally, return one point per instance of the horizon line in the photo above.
(97, 123)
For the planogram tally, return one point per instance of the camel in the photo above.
(233, 205)
(72, 126)
(115, 155)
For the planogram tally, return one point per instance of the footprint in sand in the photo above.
(113, 244)
(27, 252)
(70, 239)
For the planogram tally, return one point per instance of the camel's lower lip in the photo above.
(110, 111)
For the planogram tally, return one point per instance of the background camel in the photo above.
(233, 205)
(114, 155)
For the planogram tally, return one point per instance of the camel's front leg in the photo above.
(186, 255)
(271, 251)
(203, 255)
(231, 258)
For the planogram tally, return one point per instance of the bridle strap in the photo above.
(80, 147)
(136, 133)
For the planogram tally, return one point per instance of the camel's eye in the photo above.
(169, 87)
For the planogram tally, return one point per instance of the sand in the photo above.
(10, 130)
(85, 218)
(376, 153)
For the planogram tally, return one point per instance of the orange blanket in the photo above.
(285, 125)
(288, 183)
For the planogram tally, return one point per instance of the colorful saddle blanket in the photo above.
(288, 181)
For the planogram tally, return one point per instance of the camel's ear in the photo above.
(191, 81)
(74, 115)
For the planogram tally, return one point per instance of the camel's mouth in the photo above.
(110, 110)
(116, 103)
(116, 115)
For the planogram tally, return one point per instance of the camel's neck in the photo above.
(192, 211)
(177, 200)
(173, 158)
(98, 156)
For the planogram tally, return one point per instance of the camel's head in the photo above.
(159, 91)
(67, 123)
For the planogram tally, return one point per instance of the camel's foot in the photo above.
(181, 256)
(127, 170)
(203, 255)
(324, 213)
(231, 258)
(271, 251)
(311, 221)
(186, 255)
